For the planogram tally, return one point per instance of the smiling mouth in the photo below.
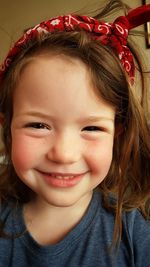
(62, 179)
(60, 176)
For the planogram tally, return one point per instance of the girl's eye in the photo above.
(37, 125)
(92, 128)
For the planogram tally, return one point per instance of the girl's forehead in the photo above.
(52, 70)
(56, 83)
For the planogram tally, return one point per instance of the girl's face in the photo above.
(62, 133)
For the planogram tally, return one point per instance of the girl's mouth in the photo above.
(62, 179)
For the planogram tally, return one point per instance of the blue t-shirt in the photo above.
(87, 245)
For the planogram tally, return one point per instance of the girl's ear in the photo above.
(1, 119)
(118, 129)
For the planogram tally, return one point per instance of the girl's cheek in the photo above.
(99, 156)
(23, 152)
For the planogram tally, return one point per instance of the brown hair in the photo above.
(129, 176)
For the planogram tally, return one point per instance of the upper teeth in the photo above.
(62, 177)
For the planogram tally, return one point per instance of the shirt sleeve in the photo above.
(138, 229)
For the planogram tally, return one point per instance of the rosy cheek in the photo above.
(23, 152)
(100, 157)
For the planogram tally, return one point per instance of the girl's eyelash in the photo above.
(40, 125)
(93, 128)
(37, 125)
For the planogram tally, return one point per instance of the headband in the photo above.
(112, 34)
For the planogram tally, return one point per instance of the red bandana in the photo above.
(113, 34)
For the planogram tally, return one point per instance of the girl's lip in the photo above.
(62, 174)
(62, 179)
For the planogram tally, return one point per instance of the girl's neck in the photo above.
(49, 224)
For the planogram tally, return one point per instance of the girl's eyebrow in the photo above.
(82, 120)
(97, 119)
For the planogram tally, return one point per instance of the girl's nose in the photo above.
(64, 150)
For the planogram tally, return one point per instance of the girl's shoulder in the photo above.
(10, 210)
(136, 233)
(6, 208)
(137, 225)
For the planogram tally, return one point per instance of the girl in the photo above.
(75, 185)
